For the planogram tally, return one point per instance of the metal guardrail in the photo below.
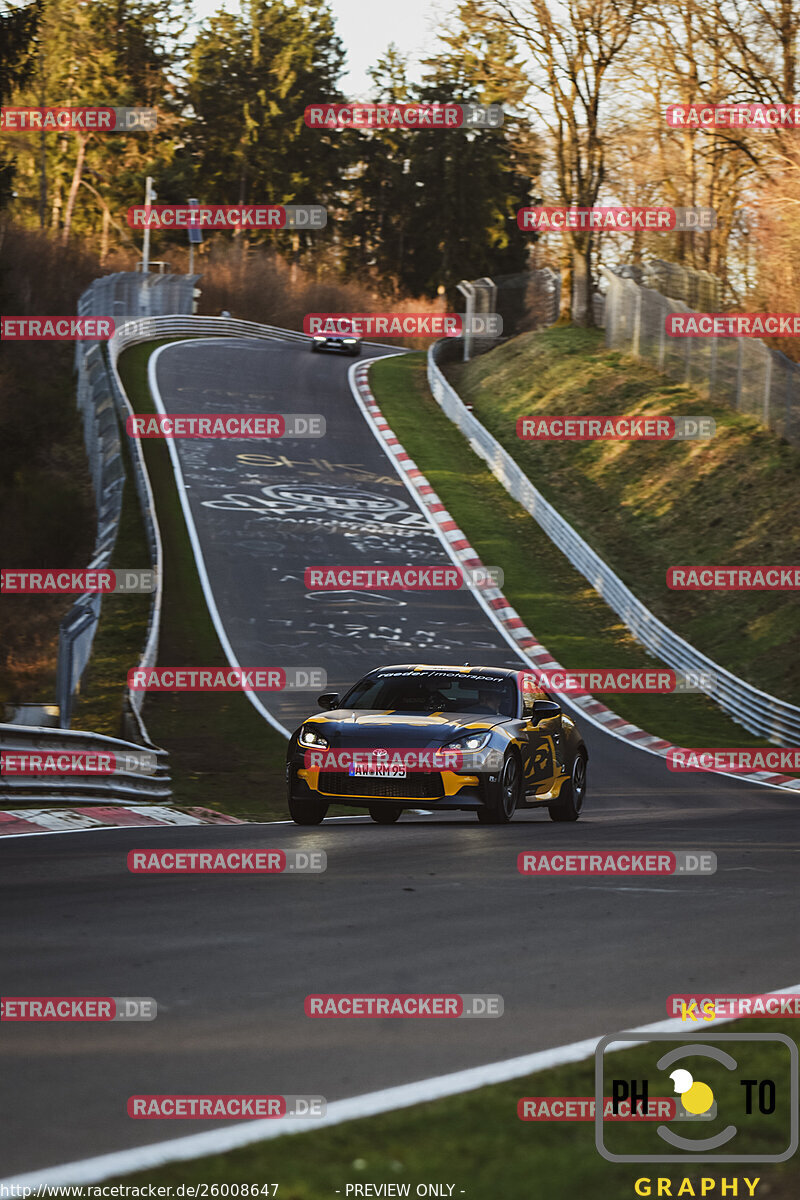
(755, 710)
(115, 296)
(83, 789)
(103, 450)
(144, 330)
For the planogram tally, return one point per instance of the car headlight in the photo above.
(309, 737)
(349, 340)
(319, 337)
(469, 741)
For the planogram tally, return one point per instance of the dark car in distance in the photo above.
(339, 337)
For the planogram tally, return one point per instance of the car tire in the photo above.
(307, 810)
(355, 353)
(572, 794)
(385, 814)
(503, 795)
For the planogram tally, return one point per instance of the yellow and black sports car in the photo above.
(479, 739)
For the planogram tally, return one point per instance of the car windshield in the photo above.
(435, 691)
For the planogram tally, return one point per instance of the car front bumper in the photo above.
(444, 790)
(337, 344)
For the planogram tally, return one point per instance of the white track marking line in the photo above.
(439, 1087)
(159, 825)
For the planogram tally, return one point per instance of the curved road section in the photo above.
(264, 510)
(434, 904)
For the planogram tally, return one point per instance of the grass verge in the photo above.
(476, 1141)
(731, 500)
(559, 606)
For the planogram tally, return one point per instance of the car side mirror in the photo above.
(543, 710)
(328, 700)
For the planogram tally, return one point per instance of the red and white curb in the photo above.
(21, 821)
(504, 616)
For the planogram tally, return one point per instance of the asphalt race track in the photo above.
(265, 511)
(431, 904)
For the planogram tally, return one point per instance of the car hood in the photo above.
(343, 727)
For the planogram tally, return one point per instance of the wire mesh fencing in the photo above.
(741, 372)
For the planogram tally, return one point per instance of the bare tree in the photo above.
(675, 61)
(757, 41)
(574, 47)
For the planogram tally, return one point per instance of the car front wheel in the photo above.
(307, 810)
(573, 792)
(385, 814)
(503, 795)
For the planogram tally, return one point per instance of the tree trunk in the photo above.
(55, 218)
(788, 34)
(565, 304)
(580, 282)
(73, 190)
(104, 236)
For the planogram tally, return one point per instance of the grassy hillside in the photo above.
(557, 604)
(734, 499)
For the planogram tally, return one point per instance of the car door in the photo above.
(543, 748)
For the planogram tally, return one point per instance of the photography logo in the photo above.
(736, 1098)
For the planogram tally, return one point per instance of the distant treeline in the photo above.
(584, 88)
